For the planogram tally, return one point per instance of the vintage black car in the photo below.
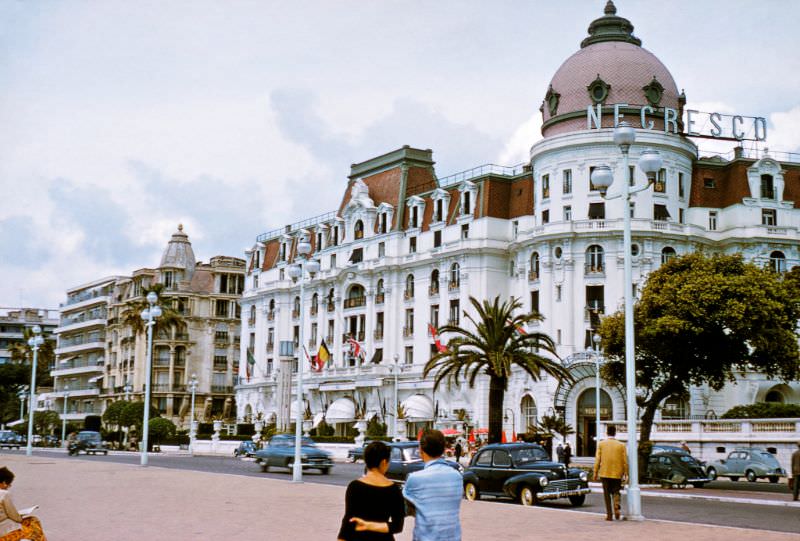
(676, 469)
(524, 472)
(89, 442)
(246, 448)
(404, 459)
(10, 439)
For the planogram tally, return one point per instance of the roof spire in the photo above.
(610, 27)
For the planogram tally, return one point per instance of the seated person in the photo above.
(13, 525)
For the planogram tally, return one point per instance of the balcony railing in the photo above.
(533, 276)
(270, 346)
(355, 302)
(222, 388)
(314, 310)
(220, 365)
(433, 290)
(329, 340)
(379, 298)
(408, 294)
(271, 315)
(452, 321)
(594, 268)
(378, 334)
(408, 332)
(251, 321)
(161, 361)
(295, 314)
(331, 306)
(452, 286)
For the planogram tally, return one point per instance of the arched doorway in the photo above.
(586, 444)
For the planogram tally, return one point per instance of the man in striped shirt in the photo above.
(435, 493)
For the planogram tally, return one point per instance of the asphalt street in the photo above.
(762, 517)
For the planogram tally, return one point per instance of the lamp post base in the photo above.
(634, 501)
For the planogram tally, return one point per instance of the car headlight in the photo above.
(543, 481)
(584, 476)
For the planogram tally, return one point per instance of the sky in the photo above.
(121, 120)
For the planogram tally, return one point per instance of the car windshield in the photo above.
(689, 459)
(411, 454)
(768, 458)
(528, 454)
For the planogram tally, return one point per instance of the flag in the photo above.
(310, 362)
(436, 340)
(355, 348)
(321, 357)
(251, 362)
(519, 328)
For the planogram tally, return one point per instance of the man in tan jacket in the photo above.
(611, 467)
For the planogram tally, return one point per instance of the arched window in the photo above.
(359, 230)
(330, 299)
(379, 287)
(774, 397)
(272, 305)
(666, 254)
(529, 415)
(409, 293)
(675, 407)
(314, 303)
(777, 261)
(296, 310)
(534, 271)
(455, 276)
(355, 297)
(434, 282)
(594, 258)
(767, 187)
(252, 314)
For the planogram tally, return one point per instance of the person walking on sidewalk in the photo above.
(610, 467)
(567, 454)
(796, 472)
(434, 493)
(458, 451)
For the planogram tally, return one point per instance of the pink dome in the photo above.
(612, 65)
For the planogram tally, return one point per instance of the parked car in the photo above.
(659, 448)
(676, 469)
(246, 448)
(10, 439)
(89, 442)
(280, 453)
(751, 463)
(524, 472)
(354, 454)
(404, 459)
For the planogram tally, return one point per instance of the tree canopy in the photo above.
(497, 344)
(132, 313)
(702, 320)
(160, 428)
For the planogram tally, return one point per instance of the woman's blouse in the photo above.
(9, 516)
(375, 504)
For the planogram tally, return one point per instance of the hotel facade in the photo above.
(406, 249)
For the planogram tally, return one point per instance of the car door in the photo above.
(395, 471)
(744, 461)
(733, 465)
(502, 469)
(482, 467)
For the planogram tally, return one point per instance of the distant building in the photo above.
(406, 249)
(13, 321)
(101, 359)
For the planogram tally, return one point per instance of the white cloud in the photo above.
(518, 146)
(783, 131)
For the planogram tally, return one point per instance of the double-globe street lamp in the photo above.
(149, 315)
(596, 339)
(22, 394)
(64, 416)
(602, 177)
(297, 272)
(34, 342)
(192, 425)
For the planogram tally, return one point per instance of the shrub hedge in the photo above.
(763, 410)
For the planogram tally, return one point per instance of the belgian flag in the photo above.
(322, 357)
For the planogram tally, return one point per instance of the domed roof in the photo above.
(611, 67)
(179, 253)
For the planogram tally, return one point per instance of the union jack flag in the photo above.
(356, 350)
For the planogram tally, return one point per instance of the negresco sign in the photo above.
(695, 123)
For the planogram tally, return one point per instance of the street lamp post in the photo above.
(602, 177)
(23, 393)
(149, 315)
(395, 369)
(596, 339)
(513, 420)
(64, 417)
(34, 342)
(297, 272)
(127, 388)
(193, 387)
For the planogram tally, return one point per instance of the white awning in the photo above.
(95, 379)
(418, 407)
(343, 410)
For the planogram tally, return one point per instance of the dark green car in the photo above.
(676, 469)
(279, 453)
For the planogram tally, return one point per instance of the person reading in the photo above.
(16, 525)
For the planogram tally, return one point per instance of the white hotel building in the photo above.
(406, 248)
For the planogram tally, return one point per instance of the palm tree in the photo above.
(554, 424)
(132, 313)
(22, 353)
(493, 348)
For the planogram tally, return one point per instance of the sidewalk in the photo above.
(96, 500)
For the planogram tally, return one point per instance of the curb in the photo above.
(724, 499)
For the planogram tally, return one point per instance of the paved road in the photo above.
(761, 517)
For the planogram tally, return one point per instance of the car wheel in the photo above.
(105, 453)
(698, 485)
(734, 478)
(711, 473)
(577, 501)
(264, 467)
(751, 476)
(527, 496)
(471, 492)
(774, 479)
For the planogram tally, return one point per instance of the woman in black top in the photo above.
(374, 506)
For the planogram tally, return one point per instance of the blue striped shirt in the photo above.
(435, 492)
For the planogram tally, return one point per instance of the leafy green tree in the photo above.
(132, 313)
(160, 428)
(492, 349)
(704, 319)
(554, 424)
(14, 377)
(133, 415)
(45, 421)
(763, 410)
(22, 354)
(112, 416)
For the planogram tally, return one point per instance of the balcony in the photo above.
(408, 294)
(295, 313)
(228, 389)
(270, 346)
(597, 268)
(329, 340)
(379, 298)
(180, 362)
(314, 310)
(161, 361)
(453, 322)
(377, 334)
(221, 365)
(433, 290)
(355, 302)
(408, 332)
(312, 342)
(533, 276)
(271, 315)
(251, 321)
(453, 286)
(331, 306)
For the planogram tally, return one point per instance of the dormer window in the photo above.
(415, 217)
(439, 215)
(383, 223)
(468, 192)
(767, 187)
(282, 255)
(319, 240)
(358, 230)
(335, 236)
(441, 201)
(416, 206)
(467, 205)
